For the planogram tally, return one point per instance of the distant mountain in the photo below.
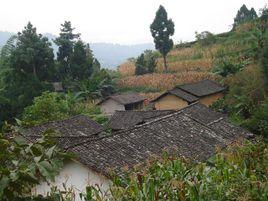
(109, 55)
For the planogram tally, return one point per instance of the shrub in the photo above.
(24, 165)
(258, 123)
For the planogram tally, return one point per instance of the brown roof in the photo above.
(179, 93)
(126, 99)
(183, 133)
(202, 88)
(127, 119)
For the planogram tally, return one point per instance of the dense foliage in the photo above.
(145, 63)
(24, 165)
(28, 68)
(54, 106)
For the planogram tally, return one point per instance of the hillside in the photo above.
(194, 61)
(109, 55)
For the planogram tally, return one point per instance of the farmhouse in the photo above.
(193, 133)
(206, 92)
(121, 102)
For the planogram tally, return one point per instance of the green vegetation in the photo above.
(54, 106)
(161, 29)
(146, 63)
(28, 69)
(238, 59)
(24, 165)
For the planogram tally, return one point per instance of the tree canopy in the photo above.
(162, 29)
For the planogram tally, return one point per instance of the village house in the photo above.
(205, 91)
(193, 133)
(121, 102)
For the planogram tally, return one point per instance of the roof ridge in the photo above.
(62, 120)
(138, 126)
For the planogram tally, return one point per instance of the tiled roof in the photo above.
(202, 88)
(126, 99)
(127, 119)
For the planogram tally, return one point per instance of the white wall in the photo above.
(109, 107)
(75, 176)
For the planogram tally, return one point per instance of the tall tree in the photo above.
(28, 68)
(244, 15)
(81, 64)
(66, 42)
(32, 54)
(162, 29)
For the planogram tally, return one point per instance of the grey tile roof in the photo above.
(127, 119)
(183, 133)
(193, 132)
(70, 131)
(126, 99)
(202, 88)
(179, 93)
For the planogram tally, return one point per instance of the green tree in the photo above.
(81, 62)
(96, 65)
(161, 29)
(244, 15)
(150, 59)
(32, 54)
(28, 68)
(140, 65)
(66, 42)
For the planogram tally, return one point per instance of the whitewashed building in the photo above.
(121, 102)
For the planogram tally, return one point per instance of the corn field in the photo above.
(164, 81)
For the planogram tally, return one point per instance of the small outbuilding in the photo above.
(205, 92)
(121, 102)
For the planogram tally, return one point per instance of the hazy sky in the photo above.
(121, 21)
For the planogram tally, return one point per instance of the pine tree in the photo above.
(32, 54)
(161, 29)
(66, 42)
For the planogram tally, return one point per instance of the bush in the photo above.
(47, 107)
(258, 123)
(24, 165)
(54, 106)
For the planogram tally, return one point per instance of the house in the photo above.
(122, 120)
(121, 102)
(75, 130)
(193, 133)
(205, 91)
(57, 86)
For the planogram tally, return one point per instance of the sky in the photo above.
(122, 21)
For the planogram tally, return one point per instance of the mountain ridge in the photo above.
(110, 55)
